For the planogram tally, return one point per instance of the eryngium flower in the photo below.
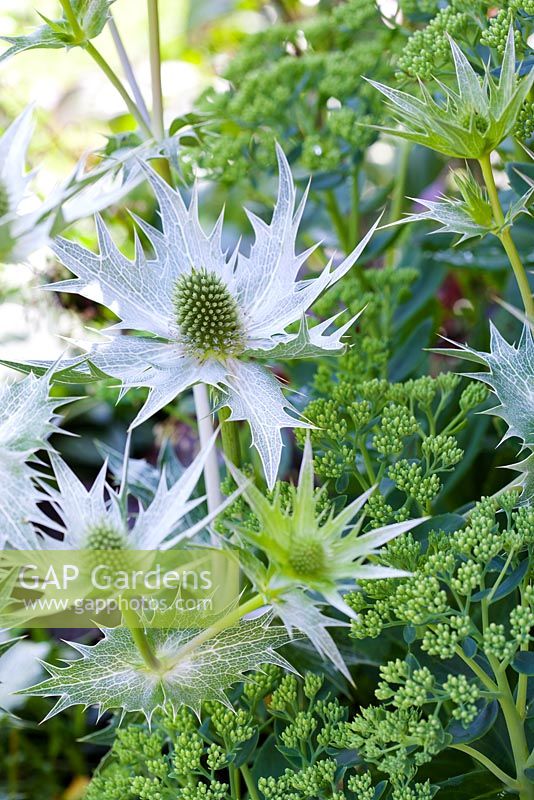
(472, 121)
(96, 519)
(310, 559)
(21, 232)
(26, 421)
(207, 317)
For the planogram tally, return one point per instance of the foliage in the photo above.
(379, 643)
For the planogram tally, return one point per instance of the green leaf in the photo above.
(524, 663)
(113, 675)
(80, 371)
(482, 723)
(92, 15)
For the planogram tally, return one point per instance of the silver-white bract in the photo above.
(264, 284)
(26, 421)
(21, 232)
(81, 511)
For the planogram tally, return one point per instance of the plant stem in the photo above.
(354, 222)
(397, 199)
(226, 621)
(72, 20)
(117, 83)
(205, 432)
(516, 732)
(155, 68)
(488, 763)
(230, 437)
(131, 620)
(128, 69)
(104, 66)
(505, 238)
(336, 216)
(235, 789)
(249, 780)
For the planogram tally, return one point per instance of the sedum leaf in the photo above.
(113, 675)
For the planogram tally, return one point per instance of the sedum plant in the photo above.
(467, 614)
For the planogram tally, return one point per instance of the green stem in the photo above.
(516, 732)
(72, 20)
(354, 222)
(505, 237)
(249, 780)
(337, 218)
(397, 199)
(488, 763)
(104, 66)
(117, 83)
(235, 788)
(226, 621)
(155, 68)
(131, 620)
(230, 437)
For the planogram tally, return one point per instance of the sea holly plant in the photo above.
(510, 376)
(305, 551)
(378, 641)
(473, 121)
(188, 667)
(203, 315)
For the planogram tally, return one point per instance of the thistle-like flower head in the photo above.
(474, 119)
(323, 553)
(94, 518)
(21, 232)
(206, 317)
(26, 421)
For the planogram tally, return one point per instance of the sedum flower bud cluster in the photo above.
(401, 436)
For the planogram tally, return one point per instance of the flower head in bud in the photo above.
(308, 549)
(104, 537)
(94, 520)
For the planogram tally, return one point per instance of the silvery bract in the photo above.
(510, 376)
(26, 421)
(113, 675)
(95, 518)
(204, 314)
(21, 232)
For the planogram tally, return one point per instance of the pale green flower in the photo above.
(309, 553)
(206, 317)
(472, 121)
